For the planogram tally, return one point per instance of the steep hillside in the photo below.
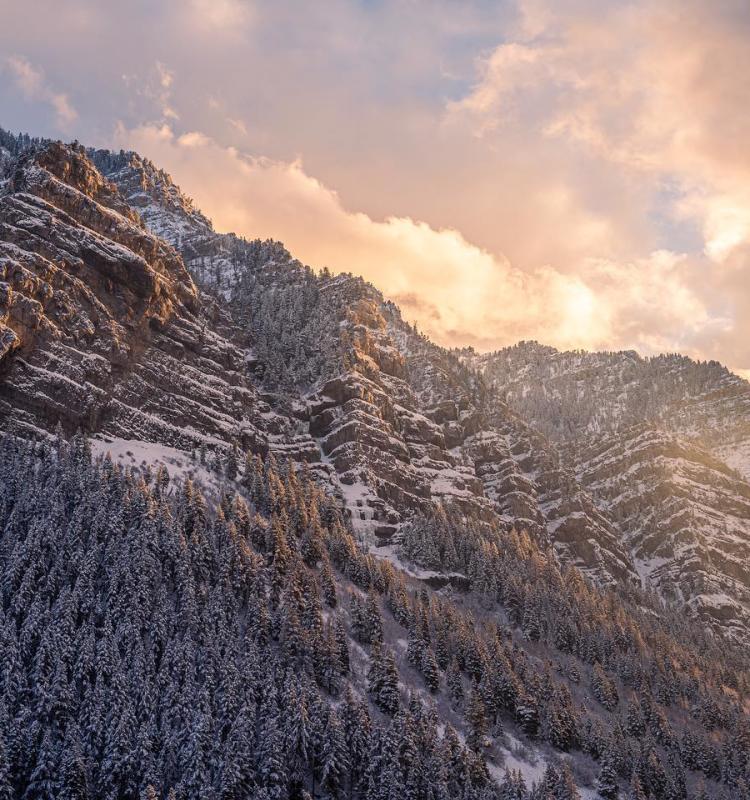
(659, 444)
(406, 424)
(156, 645)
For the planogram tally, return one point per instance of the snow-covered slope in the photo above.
(124, 314)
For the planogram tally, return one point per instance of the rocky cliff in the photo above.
(660, 443)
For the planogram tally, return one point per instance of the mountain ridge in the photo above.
(395, 423)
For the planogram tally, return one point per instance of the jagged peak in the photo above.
(71, 166)
(132, 171)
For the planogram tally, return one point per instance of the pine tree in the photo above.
(476, 719)
(455, 684)
(334, 761)
(635, 724)
(360, 627)
(527, 714)
(636, 789)
(312, 543)
(42, 782)
(6, 787)
(549, 787)
(328, 584)
(532, 626)
(430, 670)
(374, 620)
(566, 788)
(415, 646)
(297, 734)
(356, 729)
(232, 462)
(342, 646)
(272, 761)
(382, 679)
(606, 783)
(603, 688)
(74, 772)
(513, 786)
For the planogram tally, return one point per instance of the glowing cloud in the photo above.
(456, 291)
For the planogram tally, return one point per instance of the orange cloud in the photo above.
(658, 90)
(456, 291)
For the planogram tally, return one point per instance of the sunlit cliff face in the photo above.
(574, 172)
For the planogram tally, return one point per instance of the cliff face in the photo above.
(684, 516)
(102, 325)
(661, 445)
(124, 313)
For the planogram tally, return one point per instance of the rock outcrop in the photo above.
(104, 329)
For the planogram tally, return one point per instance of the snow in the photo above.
(358, 498)
(445, 483)
(737, 456)
(136, 453)
(646, 567)
(532, 771)
(532, 768)
(389, 553)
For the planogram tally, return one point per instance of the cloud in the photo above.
(238, 125)
(574, 171)
(166, 76)
(657, 90)
(456, 291)
(31, 81)
(155, 86)
(223, 15)
(653, 96)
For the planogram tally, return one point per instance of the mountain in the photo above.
(403, 422)
(287, 494)
(571, 394)
(452, 431)
(660, 445)
(398, 423)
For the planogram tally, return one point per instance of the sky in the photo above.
(571, 171)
